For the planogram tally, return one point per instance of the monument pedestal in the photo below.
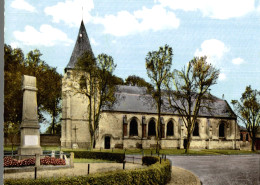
(30, 134)
(30, 140)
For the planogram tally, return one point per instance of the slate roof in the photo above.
(82, 45)
(135, 99)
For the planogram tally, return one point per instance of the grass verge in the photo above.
(82, 160)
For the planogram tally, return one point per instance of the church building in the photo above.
(131, 122)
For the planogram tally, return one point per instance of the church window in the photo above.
(246, 137)
(241, 137)
(151, 128)
(133, 128)
(222, 130)
(196, 129)
(170, 128)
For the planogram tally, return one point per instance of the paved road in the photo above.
(222, 169)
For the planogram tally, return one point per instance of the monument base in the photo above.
(29, 150)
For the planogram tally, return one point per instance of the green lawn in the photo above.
(173, 151)
(80, 160)
(148, 151)
(9, 148)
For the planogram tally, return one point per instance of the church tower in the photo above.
(74, 127)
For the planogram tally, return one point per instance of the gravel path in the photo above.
(79, 169)
(179, 176)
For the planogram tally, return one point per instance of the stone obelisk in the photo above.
(30, 134)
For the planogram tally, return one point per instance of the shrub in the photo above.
(149, 160)
(99, 155)
(154, 174)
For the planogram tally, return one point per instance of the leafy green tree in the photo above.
(48, 84)
(56, 130)
(158, 65)
(95, 77)
(117, 80)
(248, 111)
(136, 81)
(13, 70)
(52, 103)
(12, 130)
(188, 91)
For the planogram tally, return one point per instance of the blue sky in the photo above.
(226, 31)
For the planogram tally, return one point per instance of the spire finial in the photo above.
(82, 12)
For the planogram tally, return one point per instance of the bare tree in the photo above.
(96, 82)
(188, 91)
(248, 111)
(158, 66)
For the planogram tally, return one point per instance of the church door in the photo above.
(107, 142)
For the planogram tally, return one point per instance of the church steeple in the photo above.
(82, 45)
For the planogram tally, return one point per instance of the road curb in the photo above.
(183, 177)
(198, 182)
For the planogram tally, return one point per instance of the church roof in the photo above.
(82, 45)
(135, 99)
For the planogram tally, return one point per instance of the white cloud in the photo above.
(221, 9)
(93, 42)
(14, 44)
(222, 76)
(70, 11)
(22, 5)
(214, 50)
(122, 24)
(46, 36)
(125, 23)
(237, 61)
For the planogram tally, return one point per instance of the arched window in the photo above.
(246, 137)
(133, 128)
(170, 128)
(221, 130)
(196, 129)
(151, 128)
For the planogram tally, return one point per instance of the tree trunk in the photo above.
(91, 141)
(188, 143)
(253, 143)
(158, 126)
(53, 122)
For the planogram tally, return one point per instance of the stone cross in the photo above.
(75, 128)
(30, 134)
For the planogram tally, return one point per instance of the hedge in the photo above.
(149, 160)
(99, 155)
(154, 174)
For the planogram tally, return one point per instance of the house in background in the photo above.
(246, 139)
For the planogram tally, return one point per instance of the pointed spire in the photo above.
(82, 45)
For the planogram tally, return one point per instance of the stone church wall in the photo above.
(111, 125)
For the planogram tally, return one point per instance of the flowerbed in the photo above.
(10, 162)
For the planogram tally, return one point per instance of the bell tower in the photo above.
(74, 127)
